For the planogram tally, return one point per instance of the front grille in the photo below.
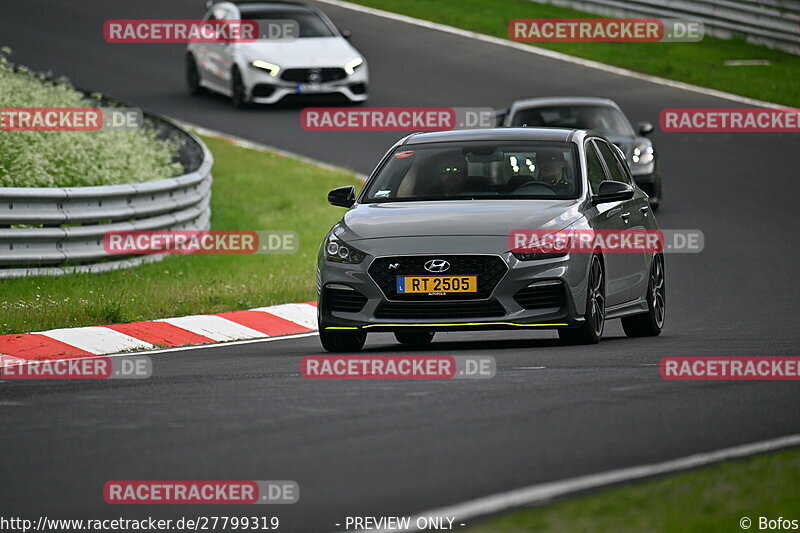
(541, 297)
(490, 269)
(306, 75)
(436, 310)
(344, 301)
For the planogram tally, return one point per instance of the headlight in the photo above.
(643, 154)
(341, 252)
(269, 68)
(353, 64)
(557, 244)
(538, 255)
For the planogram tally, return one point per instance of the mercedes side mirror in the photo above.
(645, 128)
(612, 191)
(342, 196)
(346, 34)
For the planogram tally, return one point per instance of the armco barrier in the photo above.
(52, 231)
(772, 23)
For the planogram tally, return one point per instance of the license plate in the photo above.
(436, 284)
(310, 88)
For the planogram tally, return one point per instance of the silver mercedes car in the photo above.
(425, 246)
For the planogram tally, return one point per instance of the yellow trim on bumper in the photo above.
(447, 325)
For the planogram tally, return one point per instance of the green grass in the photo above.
(699, 63)
(252, 191)
(709, 500)
(73, 158)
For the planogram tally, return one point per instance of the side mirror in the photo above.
(342, 196)
(612, 191)
(645, 128)
(346, 34)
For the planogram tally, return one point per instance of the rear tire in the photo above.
(591, 330)
(414, 338)
(342, 341)
(649, 324)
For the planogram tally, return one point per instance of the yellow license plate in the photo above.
(436, 284)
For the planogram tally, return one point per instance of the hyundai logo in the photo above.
(437, 265)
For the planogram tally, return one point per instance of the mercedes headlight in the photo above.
(338, 251)
(353, 64)
(270, 68)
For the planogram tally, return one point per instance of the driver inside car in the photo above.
(552, 168)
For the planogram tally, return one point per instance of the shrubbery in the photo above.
(71, 159)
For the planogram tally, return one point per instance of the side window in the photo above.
(594, 168)
(617, 174)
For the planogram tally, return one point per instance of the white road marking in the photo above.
(214, 327)
(96, 339)
(303, 314)
(544, 492)
(529, 367)
(627, 388)
(554, 55)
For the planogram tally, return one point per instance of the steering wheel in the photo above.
(538, 183)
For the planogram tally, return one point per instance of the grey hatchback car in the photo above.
(425, 245)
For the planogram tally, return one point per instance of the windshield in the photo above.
(310, 24)
(607, 120)
(451, 171)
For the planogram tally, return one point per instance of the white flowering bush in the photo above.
(71, 158)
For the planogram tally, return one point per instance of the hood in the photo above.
(457, 217)
(302, 53)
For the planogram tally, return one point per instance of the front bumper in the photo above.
(504, 308)
(265, 89)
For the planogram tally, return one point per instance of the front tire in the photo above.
(649, 324)
(238, 90)
(193, 76)
(342, 341)
(414, 338)
(591, 330)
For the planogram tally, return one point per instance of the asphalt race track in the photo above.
(400, 447)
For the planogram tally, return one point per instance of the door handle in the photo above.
(625, 216)
(644, 210)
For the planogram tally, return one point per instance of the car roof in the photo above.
(282, 5)
(564, 100)
(256, 3)
(498, 134)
